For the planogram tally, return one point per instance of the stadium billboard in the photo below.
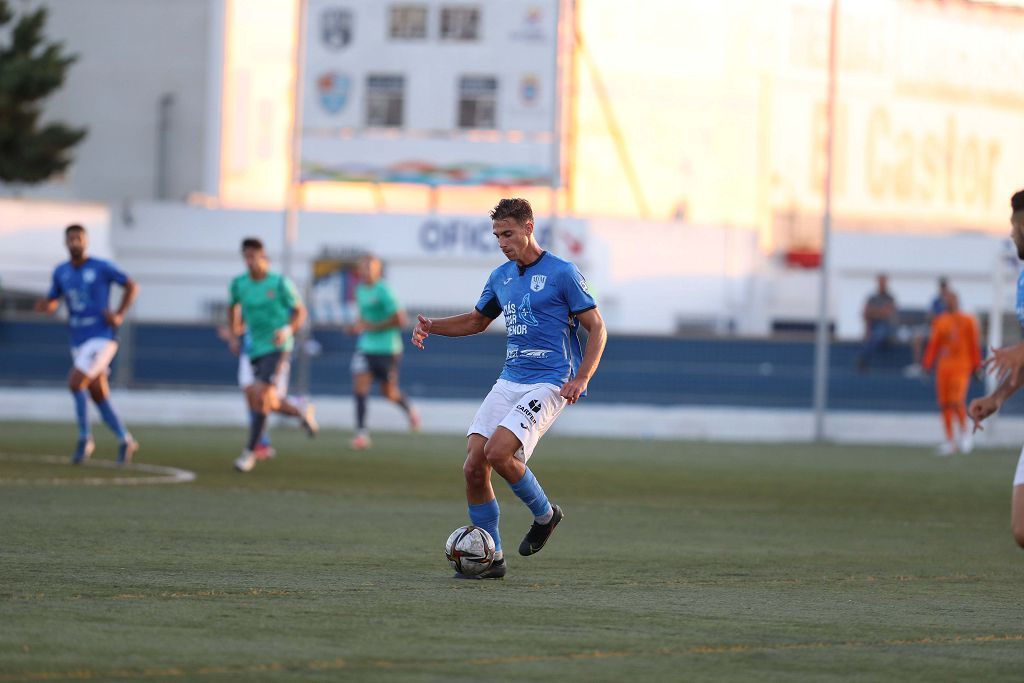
(431, 92)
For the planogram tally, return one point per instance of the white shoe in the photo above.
(361, 441)
(946, 448)
(913, 371)
(966, 442)
(246, 461)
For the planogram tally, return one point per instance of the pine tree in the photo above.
(31, 69)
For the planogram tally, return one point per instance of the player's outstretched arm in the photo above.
(1006, 363)
(461, 325)
(597, 338)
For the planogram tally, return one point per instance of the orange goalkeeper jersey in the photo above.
(953, 342)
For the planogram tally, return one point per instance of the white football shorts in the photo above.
(93, 356)
(526, 410)
(1018, 478)
(245, 377)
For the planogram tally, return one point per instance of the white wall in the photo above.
(184, 257)
(648, 277)
(32, 239)
(660, 277)
(130, 52)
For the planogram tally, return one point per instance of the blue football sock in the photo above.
(82, 412)
(529, 491)
(112, 420)
(485, 516)
(265, 437)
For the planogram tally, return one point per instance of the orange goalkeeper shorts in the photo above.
(951, 384)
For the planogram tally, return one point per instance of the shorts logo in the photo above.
(526, 411)
(537, 282)
(535, 406)
(523, 426)
(534, 353)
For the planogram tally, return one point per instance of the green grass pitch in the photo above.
(676, 561)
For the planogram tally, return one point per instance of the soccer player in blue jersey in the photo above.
(1008, 363)
(544, 300)
(84, 283)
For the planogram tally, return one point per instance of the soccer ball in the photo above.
(470, 550)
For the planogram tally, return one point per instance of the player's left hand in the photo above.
(981, 408)
(113, 319)
(573, 389)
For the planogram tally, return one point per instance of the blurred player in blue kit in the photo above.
(544, 300)
(84, 283)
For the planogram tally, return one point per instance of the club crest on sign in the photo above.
(336, 26)
(537, 282)
(333, 89)
(529, 89)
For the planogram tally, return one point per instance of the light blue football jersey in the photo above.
(86, 291)
(540, 303)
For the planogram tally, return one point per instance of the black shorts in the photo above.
(267, 367)
(382, 366)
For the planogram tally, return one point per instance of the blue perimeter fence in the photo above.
(763, 373)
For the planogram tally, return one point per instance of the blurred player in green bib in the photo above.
(272, 312)
(379, 349)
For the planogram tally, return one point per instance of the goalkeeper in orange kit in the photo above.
(953, 350)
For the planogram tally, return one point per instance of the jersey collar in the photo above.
(522, 269)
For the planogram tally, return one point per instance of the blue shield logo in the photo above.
(333, 89)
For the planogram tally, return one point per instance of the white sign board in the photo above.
(431, 92)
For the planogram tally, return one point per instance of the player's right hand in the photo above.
(1005, 363)
(421, 331)
(979, 409)
(233, 345)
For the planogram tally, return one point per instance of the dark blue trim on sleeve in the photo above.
(492, 310)
(584, 310)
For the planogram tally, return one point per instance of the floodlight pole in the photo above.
(822, 333)
(294, 189)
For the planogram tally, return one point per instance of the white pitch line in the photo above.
(167, 475)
